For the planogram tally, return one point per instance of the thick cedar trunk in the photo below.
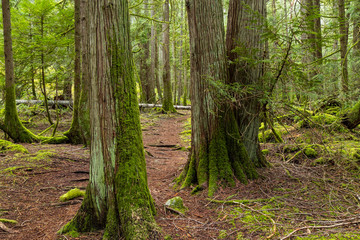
(117, 196)
(12, 124)
(344, 26)
(217, 152)
(167, 100)
(244, 34)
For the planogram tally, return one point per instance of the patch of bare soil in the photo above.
(288, 200)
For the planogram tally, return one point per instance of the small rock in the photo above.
(176, 204)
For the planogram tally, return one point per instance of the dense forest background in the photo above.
(312, 49)
(271, 139)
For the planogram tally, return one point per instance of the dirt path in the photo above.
(30, 191)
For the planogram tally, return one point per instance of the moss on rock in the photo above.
(176, 204)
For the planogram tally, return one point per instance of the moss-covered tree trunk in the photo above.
(12, 124)
(117, 196)
(243, 40)
(352, 118)
(167, 100)
(217, 150)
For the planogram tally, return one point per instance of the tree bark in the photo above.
(356, 42)
(74, 134)
(352, 118)
(167, 100)
(244, 36)
(12, 124)
(217, 151)
(154, 78)
(344, 27)
(117, 196)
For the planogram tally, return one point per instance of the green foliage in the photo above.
(42, 27)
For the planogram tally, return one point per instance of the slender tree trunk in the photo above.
(117, 196)
(43, 83)
(154, 58)
(84, 107)
(33, 72)
(318, 32)
(181, 70)
(344, 27)
(12, 124)
(167, 100)
(74, 134)
(148, 89)
(157, 77)
(175, 71)
(356, 42)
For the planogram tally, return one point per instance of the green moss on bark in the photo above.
(190, 173)
(219, 163)
(352, 118)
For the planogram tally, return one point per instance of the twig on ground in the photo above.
(320, 227)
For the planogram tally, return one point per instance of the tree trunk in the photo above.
(356, 42)
(84, 107)
(318, 32)
(43, 83)
(217, 151)
(181, 68)
(344, 27)
(148, 89)
(74, 134)
(117, 196)
(153, 79)
(12, 124)
(352, 118)
(175, 70)
(167, 100)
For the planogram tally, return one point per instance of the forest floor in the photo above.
(296, 198)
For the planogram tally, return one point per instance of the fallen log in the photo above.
(70, 103)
